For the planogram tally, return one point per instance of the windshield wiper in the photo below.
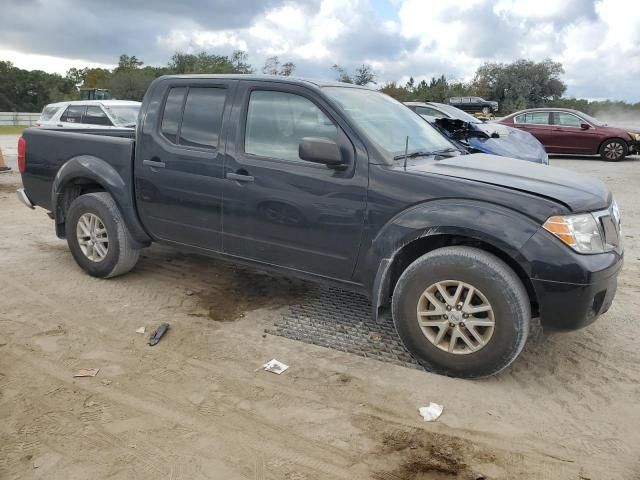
(424, 153)
(129, 125)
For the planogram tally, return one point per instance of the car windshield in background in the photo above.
(123, 115)
(457, 113)
(387, 122)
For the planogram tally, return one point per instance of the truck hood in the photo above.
(580, 193)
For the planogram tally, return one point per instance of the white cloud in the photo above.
(30, 61)
(597, 41)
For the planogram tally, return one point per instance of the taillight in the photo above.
(22, 151)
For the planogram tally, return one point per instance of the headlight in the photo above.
(580, 232)
(634, 136)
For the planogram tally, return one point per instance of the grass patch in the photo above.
(11, 129)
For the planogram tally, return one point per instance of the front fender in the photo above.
(93, 169)
(502, 228)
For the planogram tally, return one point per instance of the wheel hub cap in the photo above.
(455, 317)
(92, 237)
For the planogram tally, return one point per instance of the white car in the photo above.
(90, 114)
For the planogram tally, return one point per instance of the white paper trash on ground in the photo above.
(86, 372)
(140, 330)
(432, 412)
(275, 366)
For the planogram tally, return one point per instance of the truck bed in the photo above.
(47, 150)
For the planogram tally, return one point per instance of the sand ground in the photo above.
(195, 407)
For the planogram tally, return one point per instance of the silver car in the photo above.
(90, 114)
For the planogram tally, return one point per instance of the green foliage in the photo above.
(30, 91)
(435, 90)
(131, 84)
(272, 66)
(521, 84)
(204, 62)
(363, 75)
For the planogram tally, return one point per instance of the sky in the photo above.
(597, 41)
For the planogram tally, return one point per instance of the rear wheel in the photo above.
(98, 237)
(461, 312)
(614, 150)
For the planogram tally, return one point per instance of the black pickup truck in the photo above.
(342, 185)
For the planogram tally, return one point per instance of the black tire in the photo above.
(120, 255)
(497, 282)
(614, 150)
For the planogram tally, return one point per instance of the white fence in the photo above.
(18, 118)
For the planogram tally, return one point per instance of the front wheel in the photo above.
(98, 237)
(614, 150)
(461, 312)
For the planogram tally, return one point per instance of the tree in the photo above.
(130, 84)
(363, 75)
(272, 66)
(204, 62)
(30, 91)
(521, 84)
(77, 75)
(97, 78)
(127, 62)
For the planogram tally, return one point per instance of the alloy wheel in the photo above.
(92, 237)
(456, 317)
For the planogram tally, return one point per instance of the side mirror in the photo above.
(585, 126)
(320, 150)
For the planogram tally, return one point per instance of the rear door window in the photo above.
(278, 121)
(202, 118)
(566, 119)
(535, 118)
(172, 114)
(96, 116)
(73, 114)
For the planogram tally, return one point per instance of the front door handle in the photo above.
(240, 177)
(153, 164)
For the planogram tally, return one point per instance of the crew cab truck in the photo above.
(345, 186)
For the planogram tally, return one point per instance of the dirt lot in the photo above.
(195, 407)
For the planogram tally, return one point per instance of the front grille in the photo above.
(611, 234)
(610, 225)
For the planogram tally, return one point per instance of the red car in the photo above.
(562, 130)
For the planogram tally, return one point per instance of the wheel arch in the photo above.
(433, 227)
(608, 139)
(86, 174)
(410, 252)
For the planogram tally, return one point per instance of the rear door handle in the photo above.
(153, 164)
(239, 177)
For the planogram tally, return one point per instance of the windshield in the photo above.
(457, 113)
(123, 115)
(593, 120)
(387, 122)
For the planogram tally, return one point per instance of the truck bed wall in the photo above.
(48, 149)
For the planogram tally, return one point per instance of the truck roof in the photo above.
(270, 78)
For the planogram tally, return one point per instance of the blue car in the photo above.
(478, 136)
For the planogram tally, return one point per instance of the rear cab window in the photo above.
(192, 116)
(277, 122)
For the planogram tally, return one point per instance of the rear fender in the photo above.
(85, 169)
